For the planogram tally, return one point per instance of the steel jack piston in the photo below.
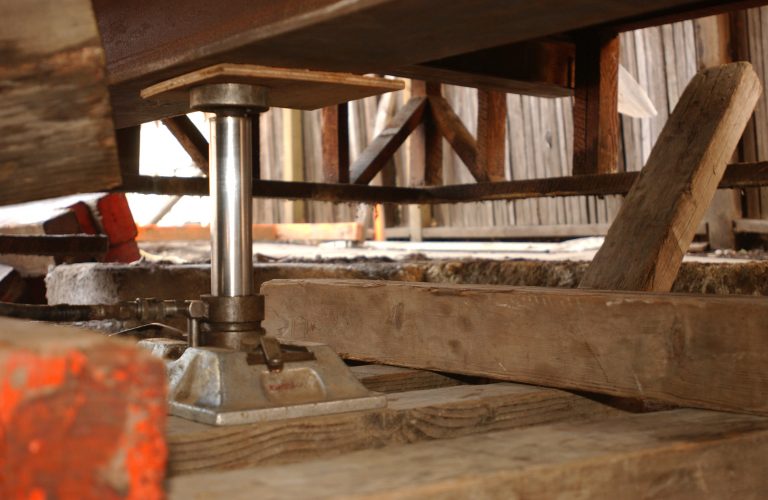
(229, 371)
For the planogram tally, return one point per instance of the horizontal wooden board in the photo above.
(56, 133)
(288, 88)
(700, 351)
(671, 455)
(410, 417)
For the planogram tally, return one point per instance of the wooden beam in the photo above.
(334, 125)
(492, 133)
(657, 221)
(378, 152)
(55, 245)
(737, 176)
(56, 132)
(426, 415)
(671, 454)
(191, 140)
(700, 351)
(542, 67)
(461, 140)
(143, 47)
(504, 232)
(596, 103)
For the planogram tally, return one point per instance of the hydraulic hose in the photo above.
(139, 309)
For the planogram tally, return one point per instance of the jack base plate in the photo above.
(225, 387)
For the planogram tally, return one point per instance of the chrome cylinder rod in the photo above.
(231, 195)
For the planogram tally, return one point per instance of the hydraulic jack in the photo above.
(228, 370)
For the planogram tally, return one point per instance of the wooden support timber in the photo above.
(657, 221)
(378, 153)
(56, 132)
(461, 140)
(680, 349)
(190, 139)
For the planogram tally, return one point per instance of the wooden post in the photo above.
(491, 133)
(748, 147)
(256, 147)
(129, 149)
(595, 110)
(425, 158)
(335, 138)
(713, 37)
(293, 160)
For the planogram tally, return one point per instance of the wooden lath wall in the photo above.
(663, 59)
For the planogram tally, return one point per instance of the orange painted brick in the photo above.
(124, 252)
(84, 218)
(116, 218)
(81, 415)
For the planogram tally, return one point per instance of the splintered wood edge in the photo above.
(288, 74)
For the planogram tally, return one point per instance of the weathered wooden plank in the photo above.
(378, 152)
(410, 417)
(738, 175)
(56, 132)
(674, 454)
(697, 351)
(596, 104)
(646, 243)
(335, 143)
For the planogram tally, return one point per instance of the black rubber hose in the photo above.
(66, 312)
